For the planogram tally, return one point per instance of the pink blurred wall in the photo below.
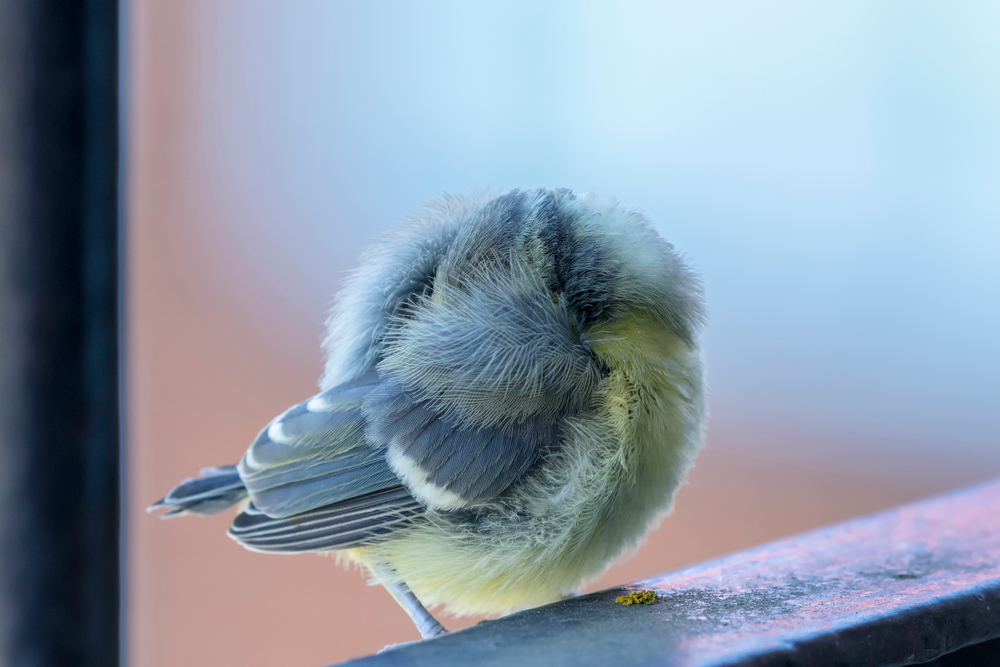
(204, 376)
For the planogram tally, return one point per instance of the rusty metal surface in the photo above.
(898, 588)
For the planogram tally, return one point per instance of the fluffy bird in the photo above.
(513, 394)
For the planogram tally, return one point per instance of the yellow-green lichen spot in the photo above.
(638, 597)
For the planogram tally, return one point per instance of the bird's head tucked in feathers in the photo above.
(522, 303)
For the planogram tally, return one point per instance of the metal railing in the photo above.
(907, 586)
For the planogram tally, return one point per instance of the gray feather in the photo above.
(215, 490)
(309, 458)
(501, 353)
(362, 521)
(475, 463)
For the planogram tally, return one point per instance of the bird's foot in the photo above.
(390, 647)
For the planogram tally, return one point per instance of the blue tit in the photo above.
(513, 393)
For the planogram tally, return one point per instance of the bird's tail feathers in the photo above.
(213, 491)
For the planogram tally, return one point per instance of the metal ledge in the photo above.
(898, 588)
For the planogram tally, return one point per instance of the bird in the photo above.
(512, 395)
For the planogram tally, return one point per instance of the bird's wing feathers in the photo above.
(316, 454)
(350, 523)
(360, 460)
(314, 481)
(370, 435)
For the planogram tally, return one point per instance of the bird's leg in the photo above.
(427, 625)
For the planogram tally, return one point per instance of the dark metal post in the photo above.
(59, 421)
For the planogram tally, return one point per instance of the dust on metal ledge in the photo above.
(897, 588)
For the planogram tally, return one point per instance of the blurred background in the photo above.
(832, 169)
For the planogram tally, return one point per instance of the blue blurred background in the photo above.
(832, 169)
